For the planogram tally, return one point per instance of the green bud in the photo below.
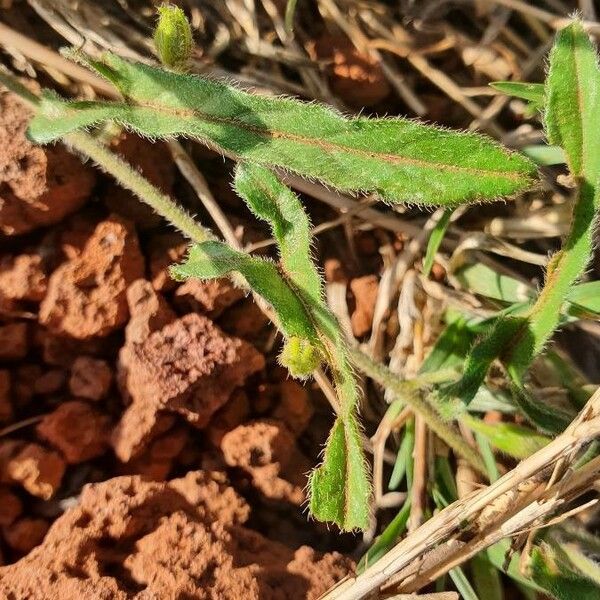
(173, 37)
(300, 357)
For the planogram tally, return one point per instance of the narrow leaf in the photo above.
(533, 92)
(435, 239)
(573, 92)
(215, 259)
(512, 439)
(271, 200)
(399, 159)
(339, 486)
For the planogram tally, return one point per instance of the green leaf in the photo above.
(210, 260)
(480, 279)
(488, 457)
(584, 300)
(435, 239)
(399, 159)
(512, 439)
(533, 92)
(545, 155)
(339, 488)
(403, 463)
(463, 585)
(552, 570)
(545, 418)
(497, 553)
(269, 199)
(571, 118)
(573, 92)
(486, 578)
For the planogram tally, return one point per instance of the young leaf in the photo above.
(399, 159)
(435, 239)
(533, 92)
(552, 570)
(272, 201)
(572, 109)
(573, 93)
(210, 260)
(339, 489)
(512, 439)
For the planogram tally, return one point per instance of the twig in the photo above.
(451, 521)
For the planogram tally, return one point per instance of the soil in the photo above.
(152, 446)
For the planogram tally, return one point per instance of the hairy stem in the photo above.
(409, 392)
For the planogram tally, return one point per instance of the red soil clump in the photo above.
(38, 186)
(23, 277)
(130, 538)
(86, 295)
(37, 469)
(90, 378)
(189, 367)
(79, 431)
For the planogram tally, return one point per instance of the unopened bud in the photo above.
(173, 37)
(300, 357)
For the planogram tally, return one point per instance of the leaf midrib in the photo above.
(329, 146)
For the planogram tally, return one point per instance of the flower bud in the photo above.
(300, 357)
(173, 37)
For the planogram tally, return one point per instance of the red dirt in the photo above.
(365, 294)
(38, 186)
(86, 295)
(10, 506)
(106, 370)
(90, 378)
(23, 277)
(189, 367)
(6, 409)
(133, 539)
(37, 469)
(76, 429)
(14, 342)
(354, 76)
(25, 534)
(208, 297)
(265, 449)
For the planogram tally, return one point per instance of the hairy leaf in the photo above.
(399, 159)
(269, 199)
(572, 121)
(557, 575)
(216, 259)
(573, 92)
(339, 489)
(533, 92)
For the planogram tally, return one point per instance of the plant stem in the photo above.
(139, 185)
(409, 392)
